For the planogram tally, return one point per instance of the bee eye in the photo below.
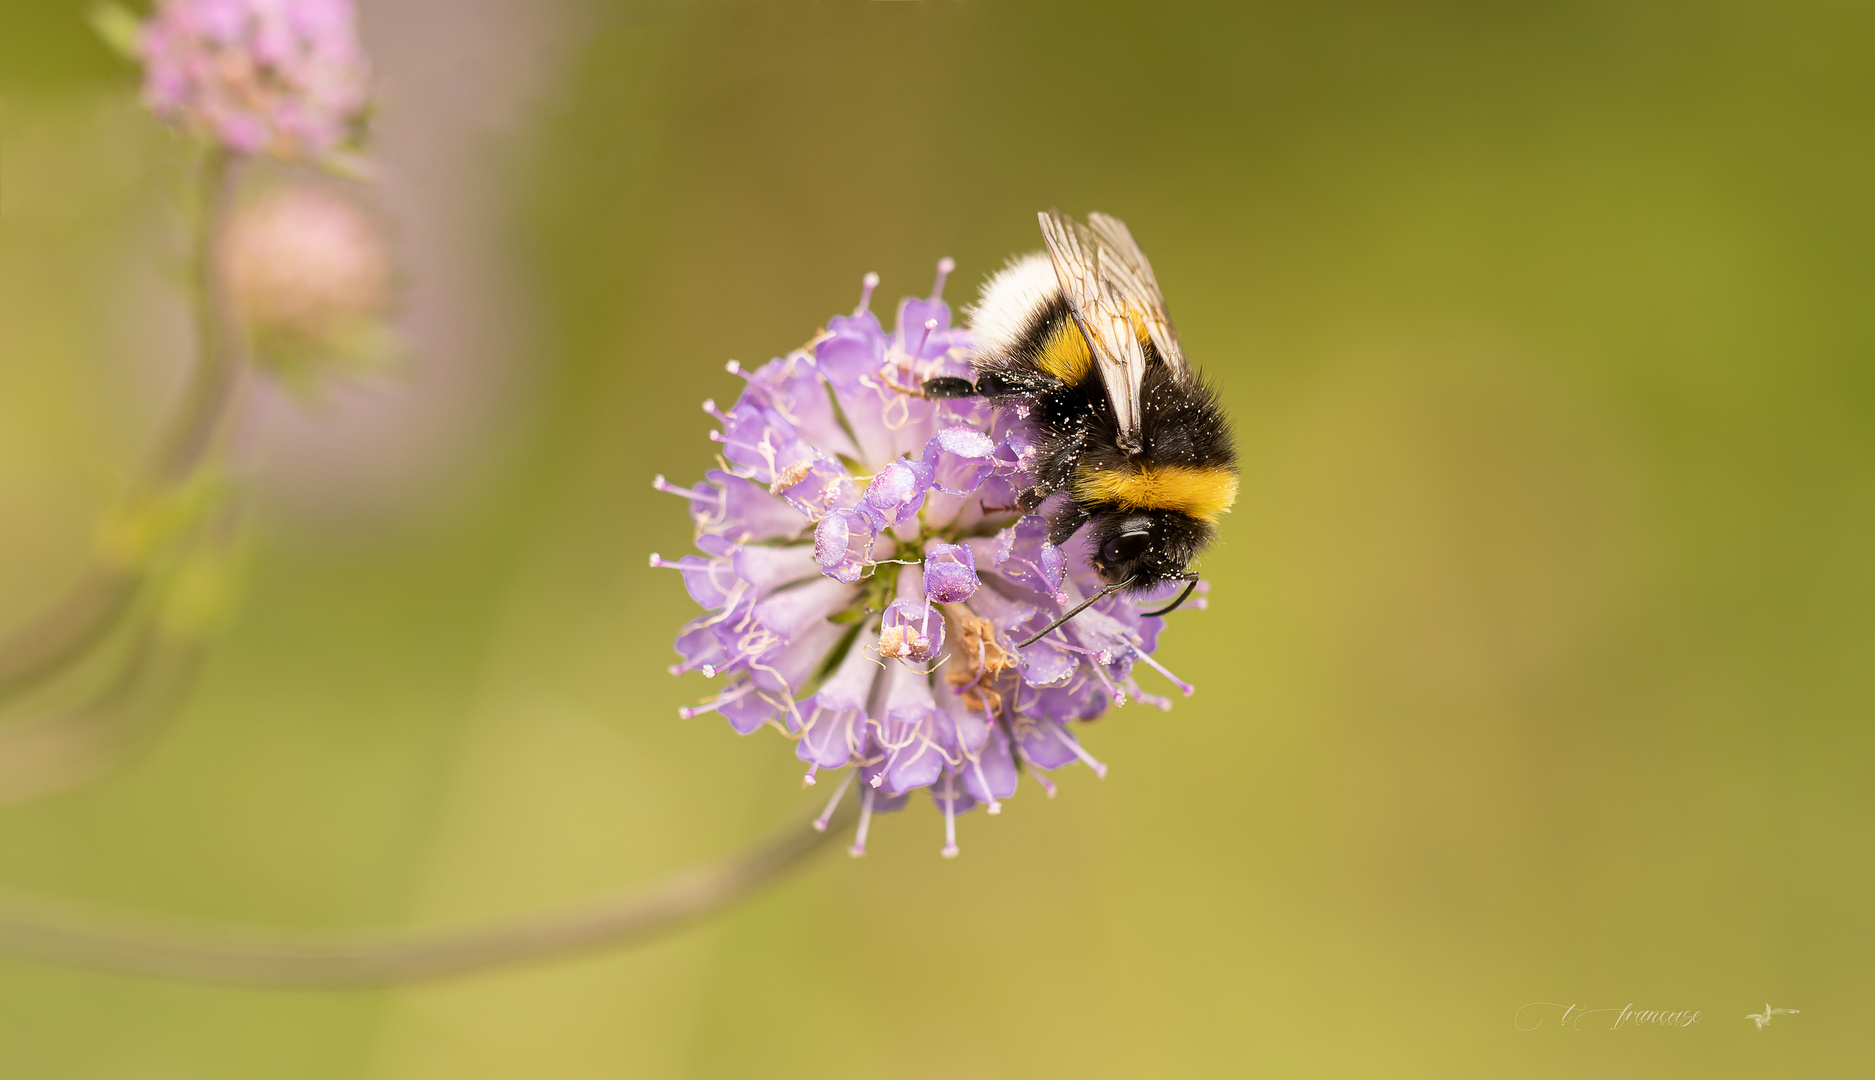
(1125, 547)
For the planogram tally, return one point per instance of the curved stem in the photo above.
(44, 754)
(96, 605)
(48, 754)
(254, 959)
(80, 619)
(218, 361)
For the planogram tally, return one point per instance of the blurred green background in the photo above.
(1538, 665)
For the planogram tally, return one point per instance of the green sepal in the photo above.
(201, 592)
(130, 537)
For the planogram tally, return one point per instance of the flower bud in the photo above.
(950, 573)
(308, 273)
(843, 543)
(898, 491)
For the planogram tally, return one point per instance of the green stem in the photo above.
(49, 754)
(81, 618)
(149, 678)
(104, 593)
(204, 410)
(251, 958)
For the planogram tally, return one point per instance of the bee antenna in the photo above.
(1181, 599)
(1078, 608)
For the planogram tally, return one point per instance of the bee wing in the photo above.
(1127, 266)
(1099, 303)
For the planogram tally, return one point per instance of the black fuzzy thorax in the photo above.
(1181, 420)
(1181, 423)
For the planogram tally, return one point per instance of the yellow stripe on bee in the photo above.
(1203, 492)
(1065, 354)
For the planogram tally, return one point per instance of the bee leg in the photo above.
(949, 386)
(1055, 474)
(1065, 525)
(1030, 498)
(1026, 500)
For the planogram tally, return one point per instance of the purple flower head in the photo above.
(867, 587)
(282, 77)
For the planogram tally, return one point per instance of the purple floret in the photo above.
(950, 573)
(843, 544)
(897, 493)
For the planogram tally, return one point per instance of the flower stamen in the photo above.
(820, 823)
(950, 816)
(995, 806)
(734, 693)
(1099, 666)
(1184, 686)
(1047, 784)
(1079, 751)
(944, 268)
(865, 821)
(658, 483)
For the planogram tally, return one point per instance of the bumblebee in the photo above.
(1133, 444)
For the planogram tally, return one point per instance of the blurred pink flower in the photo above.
(283, 77)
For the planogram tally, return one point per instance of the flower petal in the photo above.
(768, 568)
(843, 544)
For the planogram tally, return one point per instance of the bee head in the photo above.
(1147, 547)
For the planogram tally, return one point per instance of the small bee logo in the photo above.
(1764, 1017)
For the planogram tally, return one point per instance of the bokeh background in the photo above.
(1538, 663)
